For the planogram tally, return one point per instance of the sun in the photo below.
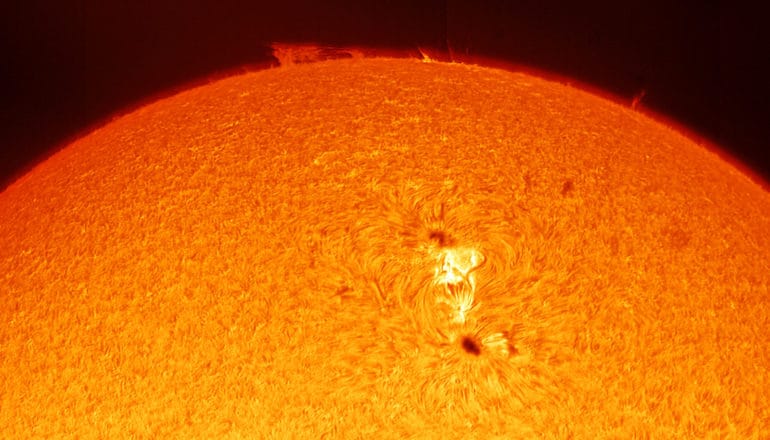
(385, 248)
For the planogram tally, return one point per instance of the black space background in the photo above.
(68, 66)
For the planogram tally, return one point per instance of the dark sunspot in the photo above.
(470, 345)
(439, 237)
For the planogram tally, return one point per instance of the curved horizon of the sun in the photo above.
(357, 246)
(286, 54)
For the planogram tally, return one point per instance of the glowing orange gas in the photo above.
(383, 248)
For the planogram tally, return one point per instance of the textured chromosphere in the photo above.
(384, 248)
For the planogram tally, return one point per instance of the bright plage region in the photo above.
(385, 248)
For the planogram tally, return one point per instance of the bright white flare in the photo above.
(454, 271)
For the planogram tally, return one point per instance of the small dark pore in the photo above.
(471, 346)
(527, 183)
(567, 187)
(509, 335)
(439, 237)
(343, 290)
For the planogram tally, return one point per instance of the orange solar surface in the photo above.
(384, 248)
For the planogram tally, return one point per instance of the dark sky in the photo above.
(68, 66)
